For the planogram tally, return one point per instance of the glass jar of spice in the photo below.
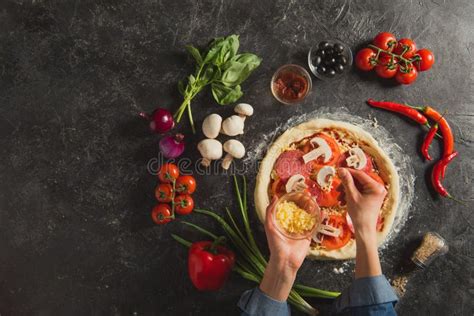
(432, 246)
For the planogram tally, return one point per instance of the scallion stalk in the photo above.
(250, 262)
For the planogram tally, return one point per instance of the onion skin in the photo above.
(172, 146)
(161, 120)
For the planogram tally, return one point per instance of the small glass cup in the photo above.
(295, 70)
(305, 201)
(314, 69)
(432, 246)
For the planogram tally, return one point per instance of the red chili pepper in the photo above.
(209, 264)
(436, 173)
(446, 132)
(427, 142)
(400, 108)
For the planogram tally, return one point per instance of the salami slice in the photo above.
(290, 163)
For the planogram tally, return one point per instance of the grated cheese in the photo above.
(294, 219)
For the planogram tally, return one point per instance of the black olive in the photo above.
(321, 52)
(329, 51)
(322, 70)
(323, 45)
(330, 72)
(338, 48)
(317, 60)
(332, 61)
(339, 68)
(341, 60)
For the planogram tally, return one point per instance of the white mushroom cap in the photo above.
(233, 126)
(211, 125)
(210, 149)
(243, 109)
(234, 149)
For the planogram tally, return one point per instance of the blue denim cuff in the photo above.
(255, 302)
(364, 292)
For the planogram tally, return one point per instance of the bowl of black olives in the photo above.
(329, 59)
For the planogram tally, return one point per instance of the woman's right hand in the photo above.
(364, 198)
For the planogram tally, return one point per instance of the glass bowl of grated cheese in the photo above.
(296, 215)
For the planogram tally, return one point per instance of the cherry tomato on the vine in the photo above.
(365, 59)
(385, 40)
(186, 185)
(427, 59)
(406, 45)
(386, 68)
(184, 204)
(164, 192)
(406, 77)
(161, 214)
(168, 172)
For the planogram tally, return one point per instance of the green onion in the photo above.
(250, 262)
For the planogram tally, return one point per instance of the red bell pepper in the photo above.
(209, 264)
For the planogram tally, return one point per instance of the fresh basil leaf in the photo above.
(252, 60)
(209, 74)
(226, 49)
(225, 95)
(181, 87)
(235, 74)
(214, 49)
(191, 79)
(217, 74)
(224, 54)
(233, 45)
(193, 51)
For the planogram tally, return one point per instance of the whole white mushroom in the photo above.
(210, 149)
(243, 110)
(233, 125)
(211, 125)
(234, 149)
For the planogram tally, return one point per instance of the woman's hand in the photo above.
(286, 257)
(364, 197)
(286, 251)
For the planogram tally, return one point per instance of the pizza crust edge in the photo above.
(385, 165)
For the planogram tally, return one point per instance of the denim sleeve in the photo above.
(367, 296)
(255, 302)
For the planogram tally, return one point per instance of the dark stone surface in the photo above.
(75, 233)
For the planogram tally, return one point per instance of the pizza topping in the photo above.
(296, 183)
(277, 188)
(325, 177)
(294, 219)
(328, 230)
(290, 163)
(349, 223)
(329, 198)
(337, 221)
(322, 149)
(380, 223)
(357, 158)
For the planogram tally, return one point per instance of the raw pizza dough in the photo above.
(367, 143)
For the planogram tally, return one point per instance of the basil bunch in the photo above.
(222, 68)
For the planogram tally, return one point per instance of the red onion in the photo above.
(172, 146)
(161, 120)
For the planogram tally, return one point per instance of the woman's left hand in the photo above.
(286, 257)
(287, 252)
